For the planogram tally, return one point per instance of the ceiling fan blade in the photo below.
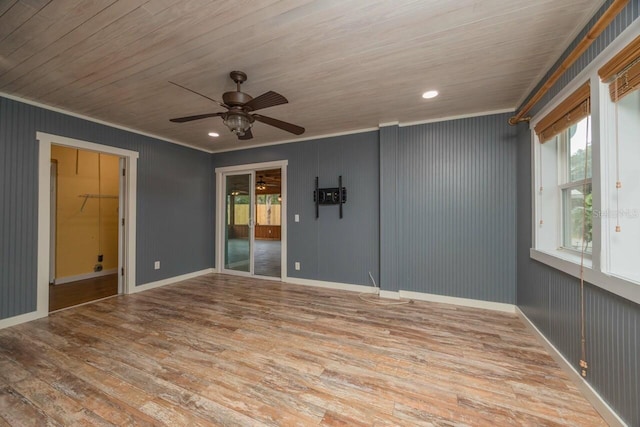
(247, 135)
(267, 99)
(198, 117)
(289, 127)
(198, 93)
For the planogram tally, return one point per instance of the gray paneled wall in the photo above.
(173, 199)
(550, 298)
(329, 249)
(389, 207)
(449, 208)
(18, 210)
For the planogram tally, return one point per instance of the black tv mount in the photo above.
(330, 196)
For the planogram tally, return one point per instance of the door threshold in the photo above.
(84, 303)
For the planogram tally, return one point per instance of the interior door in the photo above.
(239, 222)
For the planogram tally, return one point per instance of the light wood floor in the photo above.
(221, 350)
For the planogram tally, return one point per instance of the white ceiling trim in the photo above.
(381, 125)
(98, 121)
(458, 117)
(288, 141)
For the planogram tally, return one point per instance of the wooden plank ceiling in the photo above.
(343, 65)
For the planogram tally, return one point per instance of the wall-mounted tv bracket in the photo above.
(330, 196)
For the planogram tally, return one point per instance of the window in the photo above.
(587, 176)
(564, 174)
(620, 213)
(575, 187)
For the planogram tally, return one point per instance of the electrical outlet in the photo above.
(156, 265)
(297, 265)
(296, 217)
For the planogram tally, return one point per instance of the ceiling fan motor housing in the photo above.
(234, 99)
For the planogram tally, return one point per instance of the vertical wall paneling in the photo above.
(454, 210)
(329, 248)
(173, 198)
(550, 298)
(18, 184)
(389, 206)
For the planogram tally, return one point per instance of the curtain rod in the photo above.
(600, 25)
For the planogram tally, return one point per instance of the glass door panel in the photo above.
(267, 249)
(238, 223)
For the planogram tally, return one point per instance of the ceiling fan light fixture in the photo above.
(261, 185)
(237, 123)
(430, 94)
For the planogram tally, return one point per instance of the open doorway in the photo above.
(85, 233)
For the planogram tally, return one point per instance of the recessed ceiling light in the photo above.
(430, 94)
(214, 134)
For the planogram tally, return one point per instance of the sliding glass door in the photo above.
(251, 219)
(239, 222)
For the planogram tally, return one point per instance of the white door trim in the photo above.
(53, 203)
(220, 213)
(45, 141)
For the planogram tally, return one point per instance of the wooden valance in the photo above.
(574, 108)
(598, 27)
(622, 72)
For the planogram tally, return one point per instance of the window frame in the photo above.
(563, 160)
(564, 259)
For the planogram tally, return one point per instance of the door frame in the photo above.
(220, 214)
(53, 203)
(127, 231)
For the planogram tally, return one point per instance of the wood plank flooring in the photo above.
(74, 293)
(223, 350)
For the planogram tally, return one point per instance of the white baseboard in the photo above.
(389, 294)
(69, 279)
(588, 392)
(331, 285)
(171, 280)
(465, 302)
(22, 318)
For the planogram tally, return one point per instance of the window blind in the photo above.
(622, 72)
(570, 111)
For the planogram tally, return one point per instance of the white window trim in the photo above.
(560, 259)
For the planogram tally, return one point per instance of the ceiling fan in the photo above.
(262, 185)
(240, 117)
